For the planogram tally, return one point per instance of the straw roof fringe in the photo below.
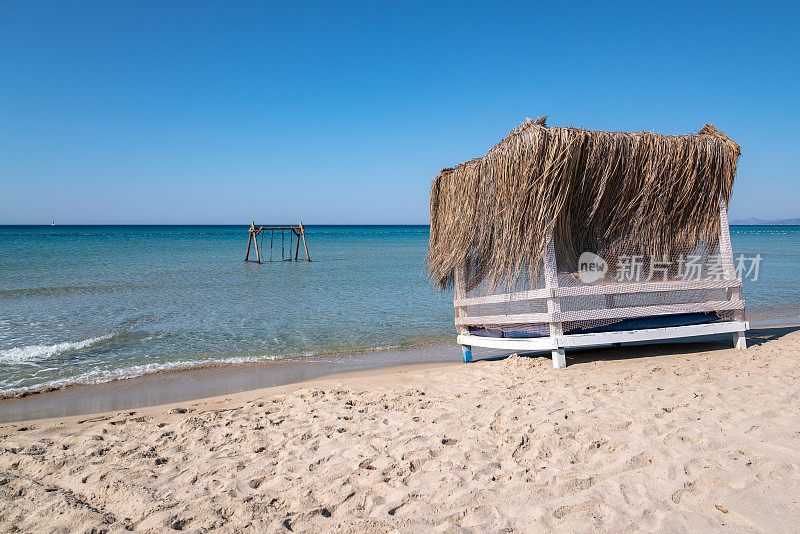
(597, 191)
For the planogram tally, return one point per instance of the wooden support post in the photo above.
(559, 358)
(297, 245)
(255, 241)
(739, 340)
(249, 240)
(460, 276)
(729, 270)
(303, 233)
(554, 304)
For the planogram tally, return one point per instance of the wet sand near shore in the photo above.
(187, 384)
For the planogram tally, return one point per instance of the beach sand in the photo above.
(688, 438)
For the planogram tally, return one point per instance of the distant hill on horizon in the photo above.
(755, 221)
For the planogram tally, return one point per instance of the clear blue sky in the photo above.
(169, 112)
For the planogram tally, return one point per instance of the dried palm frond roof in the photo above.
(594, 190)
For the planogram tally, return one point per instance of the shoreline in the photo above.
(213, 379)
(325, 358)
(222, 402)
(168, 386)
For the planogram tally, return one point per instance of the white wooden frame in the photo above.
(557, 341)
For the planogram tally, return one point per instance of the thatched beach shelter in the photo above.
(564, 237)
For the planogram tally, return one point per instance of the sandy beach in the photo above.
(663, 437)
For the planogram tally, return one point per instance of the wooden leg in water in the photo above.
(466, 352)
(739, 341)
(303, 234)
(559, 359)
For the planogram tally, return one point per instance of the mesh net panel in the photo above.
(701, 264)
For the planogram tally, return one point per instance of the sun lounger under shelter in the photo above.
(563, 237)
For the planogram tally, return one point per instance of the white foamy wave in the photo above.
(34, 353)
(101, 376)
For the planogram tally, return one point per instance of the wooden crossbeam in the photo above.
(594, 314)
(601, 289)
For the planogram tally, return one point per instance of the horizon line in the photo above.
(739, 222)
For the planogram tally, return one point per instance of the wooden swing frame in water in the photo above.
(298, 231)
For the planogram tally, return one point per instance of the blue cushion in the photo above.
(658, 321)
(637, 323)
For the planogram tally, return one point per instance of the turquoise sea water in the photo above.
(94, 303)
